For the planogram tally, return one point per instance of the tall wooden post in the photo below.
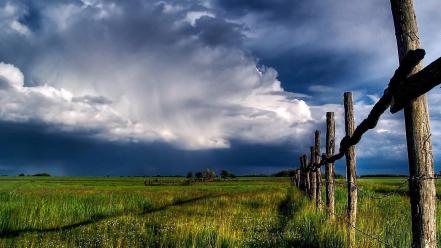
(318, 173)
(297, 176)
(294, 178)
(301, 177)
(307, 176)
(350, 170)
(313, 177)
(329, 167)
(419, 143)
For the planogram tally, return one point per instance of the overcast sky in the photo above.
(144, 87)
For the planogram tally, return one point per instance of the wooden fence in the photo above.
(406, 90)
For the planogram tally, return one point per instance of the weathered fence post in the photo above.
(313, 177)
(329, 167)
(350, 169)
(307, 177)
(298, 178)
(318, 173)
(294, 178)
(419, 143)
(302, 178)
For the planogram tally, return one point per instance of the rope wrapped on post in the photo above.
(406, 66)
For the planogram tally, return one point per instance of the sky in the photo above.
(145, 87)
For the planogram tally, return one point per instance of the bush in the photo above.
(41, 175)
(208, 174)
(225, 174)
(198, 175)
(285, 173)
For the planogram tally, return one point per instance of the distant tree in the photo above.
(199, 175)
(225, 174)
(284, 173)
(41, 175)
(208, 174)
(21, 175)
(189, 174)
(338, 176)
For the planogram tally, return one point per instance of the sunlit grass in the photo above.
(124, 213)
(249, 212)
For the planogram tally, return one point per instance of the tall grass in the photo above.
(249, 212)
(121, 212)
(383, 219)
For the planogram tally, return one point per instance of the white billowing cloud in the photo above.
(192, 121)
(125, 72)
(151, 87)
(159, 82)
(60, 108)
(11, 76)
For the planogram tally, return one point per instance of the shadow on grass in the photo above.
(179, 202)
(278, 233)
(99, 217)
(292, 230)
(287, 211)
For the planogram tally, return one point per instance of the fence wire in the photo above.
(372, 195)
(367, 194)
(377, 238)
(407, 64)
(398, 190)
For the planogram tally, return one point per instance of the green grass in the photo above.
(247, 212)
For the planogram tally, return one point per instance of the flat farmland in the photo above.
(244, 212)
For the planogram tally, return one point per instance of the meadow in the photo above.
(244, 212)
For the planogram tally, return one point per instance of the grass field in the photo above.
(247, 212)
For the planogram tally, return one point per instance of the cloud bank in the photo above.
(201, 76)
(146, 72)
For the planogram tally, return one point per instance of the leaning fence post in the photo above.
(418, 135)
(307, 177)
(329, 167)
(302, 175)
(312, 176)
(297, 177)
(294, 178)
(318, 172)
(350, 169)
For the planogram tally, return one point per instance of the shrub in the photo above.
(41, 175)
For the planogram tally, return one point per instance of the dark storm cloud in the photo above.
(279, 10)
(320, 42)
(35, 147)
(215, 32)
(31, 18)
(176, 73)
